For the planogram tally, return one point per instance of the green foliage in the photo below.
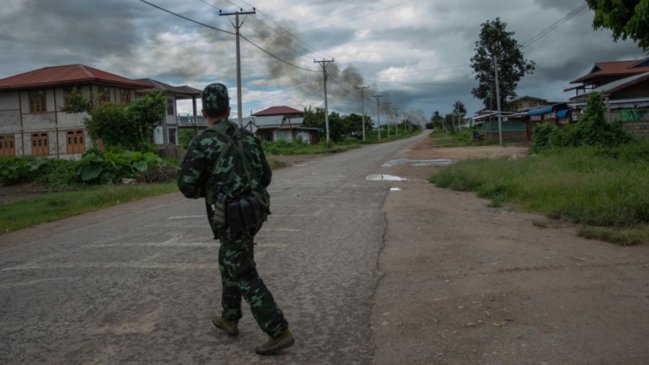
(93, 168)
(127, 127)
(111, 167)
(185, 137)
(627, 19)
(496, 42)
(591, 129)
(339, 126)
(76, 103)
(299, 148)
(595, 185)
(17, 170)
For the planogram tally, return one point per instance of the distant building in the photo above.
(283, 123)
(625, 87)
(167, 132)
(32, 122)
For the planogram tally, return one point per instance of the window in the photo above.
(75, 142)
(103, 94)
(170, 106)
(68, 93)
(7, 146)
(124, 97)
(37, 101)
(172, 136)
(40, 144)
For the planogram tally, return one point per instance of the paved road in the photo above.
(138, 283)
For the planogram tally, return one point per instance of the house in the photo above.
(625, 87)
(283, 123)
(167, 132)
(603, 73)
(525, 103)
(32, 120)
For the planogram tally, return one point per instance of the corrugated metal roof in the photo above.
(615, 68)
(278, 110)
(64, 75)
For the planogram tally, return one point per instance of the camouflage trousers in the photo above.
(240, 279)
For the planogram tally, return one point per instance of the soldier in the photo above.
(226, 165)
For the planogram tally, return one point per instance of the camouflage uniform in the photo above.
(199, 177)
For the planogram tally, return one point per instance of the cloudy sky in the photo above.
(416, 53)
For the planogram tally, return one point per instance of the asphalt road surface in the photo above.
(138, 283)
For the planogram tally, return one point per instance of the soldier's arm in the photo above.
(192, 173)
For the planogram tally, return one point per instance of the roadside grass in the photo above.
(606, 190)
(54, 206)
(281, 148)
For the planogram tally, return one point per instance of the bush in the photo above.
(591, 130)
(111, 167)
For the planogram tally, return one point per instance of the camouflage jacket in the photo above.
(201, 176)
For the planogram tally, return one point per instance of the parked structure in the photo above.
(283, 123)
(167, 132)
(32, 122)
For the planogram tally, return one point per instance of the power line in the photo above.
(186, 18)
(360, 16)
(554, 26)
(228, 32)
(287, 34)
(277, 57)
(336, 14)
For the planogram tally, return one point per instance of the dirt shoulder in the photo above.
(468, 284)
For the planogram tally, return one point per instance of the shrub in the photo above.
(591, 130)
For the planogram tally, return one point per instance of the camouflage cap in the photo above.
(215, 98)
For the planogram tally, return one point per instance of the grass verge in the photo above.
(604, 189)
(283, 148)
(53, 206)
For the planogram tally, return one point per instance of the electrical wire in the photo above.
(186, 18)
(574, 12)
(224, 31)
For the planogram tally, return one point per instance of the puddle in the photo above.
(395, 189)
(419, 163)
(384, 177)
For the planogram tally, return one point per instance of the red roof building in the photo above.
(603, 73)
(279, 110)
(66, 76)
(34, 120)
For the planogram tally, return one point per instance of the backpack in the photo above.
(239, 203)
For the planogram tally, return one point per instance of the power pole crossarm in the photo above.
(237, 26)
(323, 63)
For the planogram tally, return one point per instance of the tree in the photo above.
(436, 120)
(626, 18)
(497, 46)
(127, 127)
(459, 112)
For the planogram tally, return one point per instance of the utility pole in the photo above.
(378, 112)
(362, 89)
(237, 26)
(396, 128)
(500, 120)
(388, 104)
(323, 63)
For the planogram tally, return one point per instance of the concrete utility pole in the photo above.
(323, 63)
(378, 112)
(500, 118)
(237, 26)
(362, 89)
(387, 104)
(396, 128)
